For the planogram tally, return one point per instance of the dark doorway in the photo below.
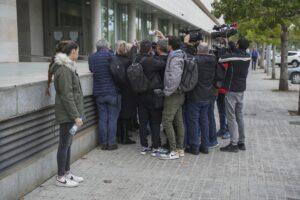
(67, 20)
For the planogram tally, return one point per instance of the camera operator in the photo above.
(223, 131)
(235, 83)
(190, 44)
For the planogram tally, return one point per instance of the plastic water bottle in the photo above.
(74, 129)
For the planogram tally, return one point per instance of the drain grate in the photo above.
(295, 123)
(250, 114)
(293, 113)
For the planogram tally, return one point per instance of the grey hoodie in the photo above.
(173, 72)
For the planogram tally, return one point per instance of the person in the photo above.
(150, 105)
(199, 100)
(223, 131)
(68, 107)
(235, 84)
(212, 129)
(108, 98)
(254, 57)
(128, 105)
(172, 118)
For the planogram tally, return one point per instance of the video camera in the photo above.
(224, 31)
(195, 35)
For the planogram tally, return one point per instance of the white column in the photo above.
(154, 25)
(96, 22)
(175, 28)
(170, 27)
(131, 22)
(9, 51)
(36, 29)
(210, 42)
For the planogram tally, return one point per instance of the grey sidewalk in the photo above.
(269, 169)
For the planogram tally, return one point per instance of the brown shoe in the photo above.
(112, 147)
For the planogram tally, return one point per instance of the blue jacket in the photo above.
(103, 84)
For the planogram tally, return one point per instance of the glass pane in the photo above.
(73, 35)
(111, 23)
(123, 22)
(104, 18)
(138, 23)
(58, 35)
(124, 29)
(70, 13)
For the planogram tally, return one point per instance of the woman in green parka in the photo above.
(68, 107)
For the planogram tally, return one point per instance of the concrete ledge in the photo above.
(21, 99)
(26, 176)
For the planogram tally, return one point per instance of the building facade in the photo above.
(34, 27)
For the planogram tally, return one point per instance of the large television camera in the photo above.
(224, 31)
(195, 35)
(221, 35)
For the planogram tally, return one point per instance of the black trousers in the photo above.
(64, 149)
(152, 117)
(254, 60)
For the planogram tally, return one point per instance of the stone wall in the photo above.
(8, 31)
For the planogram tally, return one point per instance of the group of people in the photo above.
(150, 97)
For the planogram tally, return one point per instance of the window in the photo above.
(104, 19)
(108, 26)
(291, 54)
(111, 23)
(138, 23)
(122, 22)
(163, 26)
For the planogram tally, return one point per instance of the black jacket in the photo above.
(207, 65)
(237, 71)
(153, 68)
(129, 102)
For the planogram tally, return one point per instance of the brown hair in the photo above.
(66, 47)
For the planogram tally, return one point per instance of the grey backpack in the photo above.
(189, 78)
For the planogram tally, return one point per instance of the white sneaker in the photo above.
(158, 152)
(65, 182)
(181, 152)
(72, 177)
(145, 150)
(170, 156)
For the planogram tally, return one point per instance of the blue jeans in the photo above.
(222, 114)
(198, 125)
(185, 119)
(212, 121)
(108, 110)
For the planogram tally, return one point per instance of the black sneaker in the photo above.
(128, 141)
(203, 150)
(103, 146)
(230, 148)
(112, 147)
(191, 151)
(242, 146)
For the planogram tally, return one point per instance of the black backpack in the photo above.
(118, 71)
(189, 78)
(137, 78)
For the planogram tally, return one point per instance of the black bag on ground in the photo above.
(118, 71)
(137, 78)
(189, 77)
